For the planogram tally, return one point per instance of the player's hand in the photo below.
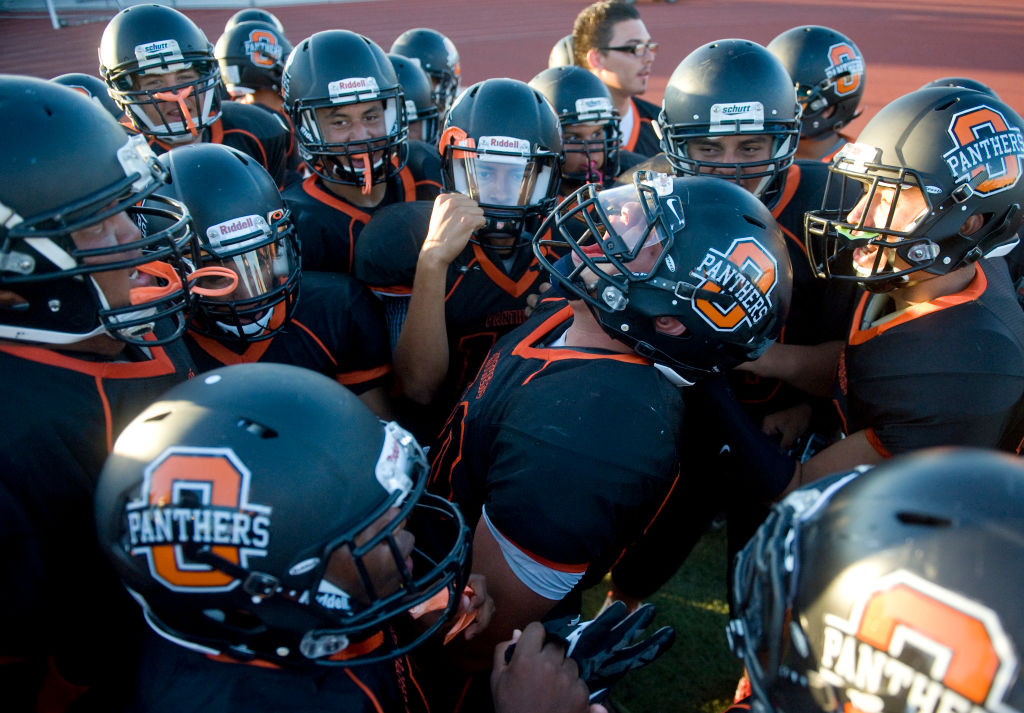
(538, 678)
(477, 604)
(452, 221)
(787, 424)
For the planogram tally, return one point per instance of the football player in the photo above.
(828, 72)
(886, 590)
(161, 70)
(439, 58)
(350, 120)
(568, 442)
(91, 313)
(276, 312)
(610, 40)
(937, 180)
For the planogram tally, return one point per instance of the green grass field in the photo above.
(699, 673)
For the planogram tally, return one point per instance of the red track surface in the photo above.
(905, 44)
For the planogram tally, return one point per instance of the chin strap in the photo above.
(179, 98)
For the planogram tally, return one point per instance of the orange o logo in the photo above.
(747, 273)
(843, 57)
(984, 140)
(196, 497)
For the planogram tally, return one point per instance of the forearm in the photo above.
(810, 368)
(421, 353)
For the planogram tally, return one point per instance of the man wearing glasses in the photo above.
(609, 39)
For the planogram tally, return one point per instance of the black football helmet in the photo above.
(893, 590)
(251, 55)
(221, 504)
(155, 39)
(960, 149)
(92, 87)
(963, 82)
(699, 249)
(254, 14)
(502, 146)
(731, 87)
(419, 104)
(579, 97)
(439, 59)
(241, 224)
(828, 71)
(338, 67)
(53, 199)
(561, 53)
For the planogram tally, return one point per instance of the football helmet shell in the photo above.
(221, 504)
(241, 223)
(419, 105)
(339, 68)
(828, 71)
(703, 251)
(254, 14)
(886, 589)
(92, 87)
(579, 97)
(439, 59)
(54, 189)
(731, 87)
(502, 146)
(962, 150)
(251, 55)
(155, 39)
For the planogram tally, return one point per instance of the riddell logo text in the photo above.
(237, 226)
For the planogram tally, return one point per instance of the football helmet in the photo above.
(963, 82)
(827, 70)
(731, 88)
(92, 87)
(944, 154)
(439, 59)
(502, 146)
(241, 224)
(561, 53)
(698, 249)
(337, 68)
(419, 104)
(579, 97)
(891, 590)
(251, 55)
(154, 39)
(54, 199)
(222, 504)
(255, 14)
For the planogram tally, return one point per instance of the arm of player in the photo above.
(843, 455)
(421, 353)
(810, 368)
(515, 604)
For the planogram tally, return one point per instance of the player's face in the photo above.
(176, 103)
(255, 274)
(624, 71)
(584, 149)
(353, 122)
(730, 150)
(380, 563)
(499, 183)
(884, 209)
(116, 284)
(416, 131)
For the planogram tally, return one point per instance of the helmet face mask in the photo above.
(149, 41)
(294, 586)
(917, 185)
(72, 248)
(340, 75)
(697, 250)
(731, 88)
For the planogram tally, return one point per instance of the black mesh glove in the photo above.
(610, 646)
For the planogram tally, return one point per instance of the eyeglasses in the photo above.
(639, 50)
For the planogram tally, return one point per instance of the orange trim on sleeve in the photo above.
(361, 377)
(973, 291)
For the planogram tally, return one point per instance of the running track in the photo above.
(905, 44)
